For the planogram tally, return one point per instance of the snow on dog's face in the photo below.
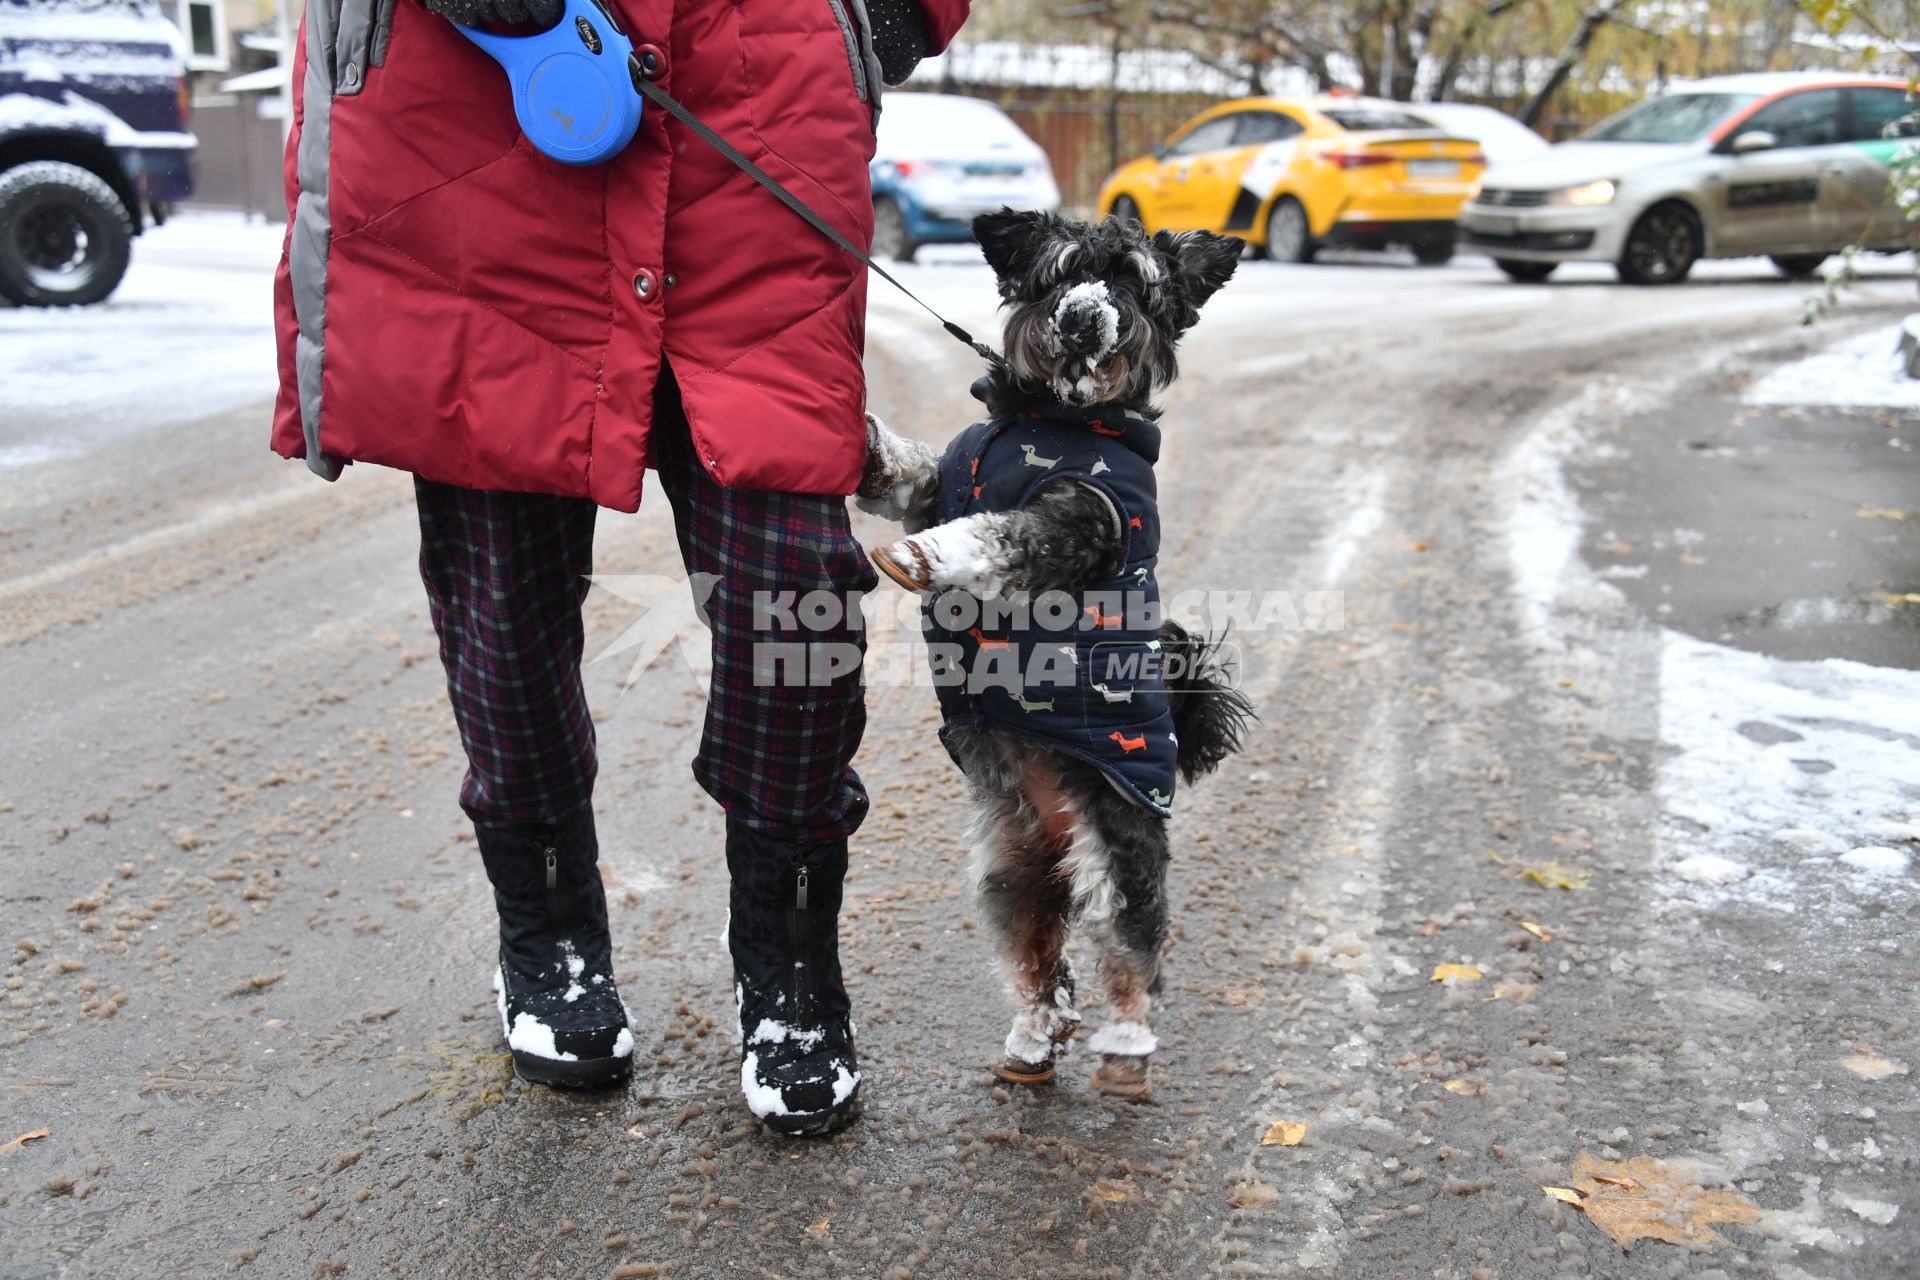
(1096, 309)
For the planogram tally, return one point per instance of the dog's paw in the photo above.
(966, 555)
(896, 471)
(905, 563)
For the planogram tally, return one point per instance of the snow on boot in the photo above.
(797, 1066)
(559, 1009)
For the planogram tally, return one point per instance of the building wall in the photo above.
(239, 162)
(1078, 128)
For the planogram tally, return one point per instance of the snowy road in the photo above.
(1623, 715)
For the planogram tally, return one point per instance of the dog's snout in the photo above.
(1086, 324)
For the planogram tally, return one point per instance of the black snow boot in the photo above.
(562, 1016)
(797, 1066)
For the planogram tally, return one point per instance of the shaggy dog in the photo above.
(1069, 703)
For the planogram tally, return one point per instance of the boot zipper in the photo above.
(794, 932)
(553, 869)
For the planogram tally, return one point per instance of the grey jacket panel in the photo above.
(312, 234)
(869, 60)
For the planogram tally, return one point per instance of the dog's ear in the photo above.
(1201, 261)
(1010, 238)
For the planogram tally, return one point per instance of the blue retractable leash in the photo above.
(573, 86)
(578, 93)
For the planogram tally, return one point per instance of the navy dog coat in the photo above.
(1081, 672)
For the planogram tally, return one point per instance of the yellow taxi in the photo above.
(1295, 175)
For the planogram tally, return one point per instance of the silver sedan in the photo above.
(1792, 165)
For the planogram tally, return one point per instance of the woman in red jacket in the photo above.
(528, 339)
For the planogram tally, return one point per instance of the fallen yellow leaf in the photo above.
(1555, 875)
(1536, 931)
(1465, 1087)
(819, 1229)
(1687, 557)
(1567, 1194)
(1284, 1133)
(24, 1139)
(1251, 1194)
(1112, 1191)
(1457, 972)
(1880, 513)
(1871, 1066)
(1640, 1200)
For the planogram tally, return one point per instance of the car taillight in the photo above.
(185, 95)
(1356, 159)
(1478, 157)
(907, 168)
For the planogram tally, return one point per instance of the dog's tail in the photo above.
(1209, 714)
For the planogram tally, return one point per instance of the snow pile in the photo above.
(1862, 372)
(1785, 761)
(1877, 860)
(100, 44)
(1709, 868)
(26, 112)
(1879, 1212)
(1781, 778)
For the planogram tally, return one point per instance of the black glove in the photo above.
(899, 37)
(479, 13)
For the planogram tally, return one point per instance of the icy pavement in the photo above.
(1479, 912)
(188, 333)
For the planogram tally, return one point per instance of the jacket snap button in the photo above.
(643, 283)
(672, 280)
(350, 78)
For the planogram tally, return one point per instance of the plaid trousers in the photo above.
(506, 577)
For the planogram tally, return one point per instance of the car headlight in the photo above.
(1586, 194)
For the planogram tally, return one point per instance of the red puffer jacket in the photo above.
(454, 304)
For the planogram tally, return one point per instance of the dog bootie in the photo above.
(797, 1064)
(1126, 1053)
(1121, 1075)
(559, 1009)
(1041, 1033)
(906, 563)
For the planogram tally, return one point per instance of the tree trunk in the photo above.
(1590, 23)
(1463, 47)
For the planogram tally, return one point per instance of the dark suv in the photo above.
(93, 142)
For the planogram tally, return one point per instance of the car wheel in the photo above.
(1126, 209)
(64, 235)
(890, 236)
(1526, 272)
(1433, 253)
(1662, 247)
(1798, 266)
(1288, 239)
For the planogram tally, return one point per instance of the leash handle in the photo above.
(701, 130)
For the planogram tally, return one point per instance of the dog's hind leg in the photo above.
(1019, 838)
(1133, 845)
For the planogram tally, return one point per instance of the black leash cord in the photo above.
(701, 131)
